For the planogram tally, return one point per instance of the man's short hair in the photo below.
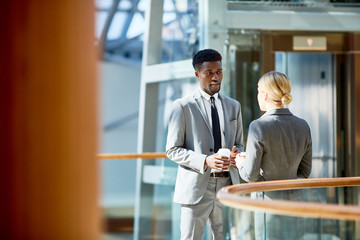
(206, 55)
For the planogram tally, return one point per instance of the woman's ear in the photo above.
(266, 96)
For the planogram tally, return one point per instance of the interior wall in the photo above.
(120, 84)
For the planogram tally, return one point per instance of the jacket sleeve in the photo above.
(176, 149)
(239, 139)
(304, 169)
(250, 169)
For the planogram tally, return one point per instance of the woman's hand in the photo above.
(240, 159)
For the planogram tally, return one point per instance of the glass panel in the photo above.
(161, 175)
(126, 4)
(301, 3)
(180, 30)
(116, 26)
(117, 198)
(142, 5)
(312, 79)
(169, 6)
(100, 17)
(137, 26)
(242, 224)
(103, 3)
(244, 64)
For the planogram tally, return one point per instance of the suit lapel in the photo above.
(200, 105)
(225, 106)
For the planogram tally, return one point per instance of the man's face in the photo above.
(210, 76)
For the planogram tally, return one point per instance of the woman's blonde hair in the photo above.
(277, 85)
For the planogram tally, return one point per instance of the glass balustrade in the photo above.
(326, 213)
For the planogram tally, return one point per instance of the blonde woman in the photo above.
(278, 147)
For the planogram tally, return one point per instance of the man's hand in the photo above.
(216, 162)
(233, 154)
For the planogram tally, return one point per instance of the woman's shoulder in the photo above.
(258, 124)
(263, 120)
(298, 119)
(300, 122)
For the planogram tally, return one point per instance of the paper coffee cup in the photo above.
(224, 152)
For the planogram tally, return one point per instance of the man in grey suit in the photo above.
(193, 142)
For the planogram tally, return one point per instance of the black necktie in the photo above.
(215, 125)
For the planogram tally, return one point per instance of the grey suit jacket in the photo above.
(190, 140)
(278, 147)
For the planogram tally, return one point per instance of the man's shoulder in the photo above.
(189, 98)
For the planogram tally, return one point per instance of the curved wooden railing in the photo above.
(231, 196)
(145, 155)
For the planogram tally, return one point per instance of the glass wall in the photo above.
(312, 78)
(180, 33)
(120, 27)
(159, 175)
(301, 3)
(166, 214)
(245, 68)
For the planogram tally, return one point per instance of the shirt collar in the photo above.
(207, 96)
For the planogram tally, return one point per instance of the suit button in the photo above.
(211, 150)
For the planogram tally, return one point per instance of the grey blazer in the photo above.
(278, 147)
(190, 140)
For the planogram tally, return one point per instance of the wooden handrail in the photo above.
(231, 196)
(145, 155)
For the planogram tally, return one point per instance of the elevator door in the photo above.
(314, 97)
